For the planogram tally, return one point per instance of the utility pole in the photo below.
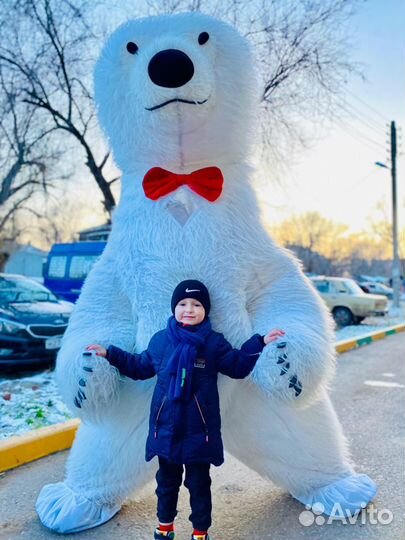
(396, 268)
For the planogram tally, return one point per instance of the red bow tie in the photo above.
(206, 182)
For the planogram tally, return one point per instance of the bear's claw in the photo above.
(296, 384)
(285, 368)
(77, 402)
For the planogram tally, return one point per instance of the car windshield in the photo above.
(23, 290)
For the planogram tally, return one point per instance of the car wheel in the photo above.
(343, 316)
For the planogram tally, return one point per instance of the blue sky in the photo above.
(380, 35)
(337, 176)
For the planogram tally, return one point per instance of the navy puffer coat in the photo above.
(187, 431)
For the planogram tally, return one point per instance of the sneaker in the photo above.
(200, 537)
(164, 535)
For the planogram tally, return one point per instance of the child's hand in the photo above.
(100, 351)
(273, 335)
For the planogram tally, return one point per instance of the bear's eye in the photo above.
(132, 47)
(203, 38)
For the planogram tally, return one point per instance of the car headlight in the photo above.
(10, 327)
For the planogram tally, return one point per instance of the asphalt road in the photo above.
(369, 396)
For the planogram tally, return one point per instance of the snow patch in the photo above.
(29, 403)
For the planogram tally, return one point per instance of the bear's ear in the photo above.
(132, 47)
(203, 38)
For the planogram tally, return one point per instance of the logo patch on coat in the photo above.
(200, 363)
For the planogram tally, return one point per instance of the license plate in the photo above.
(53, 343)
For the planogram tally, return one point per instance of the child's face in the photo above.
(189, 311)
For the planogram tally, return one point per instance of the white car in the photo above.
(377, 288)
(348, 303)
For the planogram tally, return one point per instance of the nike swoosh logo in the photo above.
(193, 290)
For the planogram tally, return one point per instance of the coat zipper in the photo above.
(202, 418)
(157, 416)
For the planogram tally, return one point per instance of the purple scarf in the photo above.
(181, 362)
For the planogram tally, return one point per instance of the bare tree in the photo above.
(381, 227)
(50, 47)
(26, 155)
(62, 215)
(301, 48)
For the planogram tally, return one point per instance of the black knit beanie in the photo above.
(191, 288)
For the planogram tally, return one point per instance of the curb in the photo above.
(349, 344)
(21, 449)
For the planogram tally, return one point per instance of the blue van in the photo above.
(68, 265)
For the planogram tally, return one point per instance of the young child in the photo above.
(184, 422)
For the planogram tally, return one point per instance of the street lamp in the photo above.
(396, 267)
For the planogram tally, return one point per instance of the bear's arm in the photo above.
(297, 367)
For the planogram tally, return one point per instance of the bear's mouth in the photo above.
(173, 101)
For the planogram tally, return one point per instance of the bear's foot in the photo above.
(345, 497)
(64, 511)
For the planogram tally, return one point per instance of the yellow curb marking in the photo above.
(349, 344)
(346, 346)
(20, 449)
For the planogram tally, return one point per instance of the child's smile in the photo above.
(189, 311)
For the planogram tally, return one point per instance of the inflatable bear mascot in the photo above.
(176, 97)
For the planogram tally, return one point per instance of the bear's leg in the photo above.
(107, 463)
(302, 450)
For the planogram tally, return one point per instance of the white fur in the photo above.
(255, 285)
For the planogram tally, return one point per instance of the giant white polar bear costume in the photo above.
(179, 92)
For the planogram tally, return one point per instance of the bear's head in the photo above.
(176, 91)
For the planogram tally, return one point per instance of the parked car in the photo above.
(363, 287)
(67, 266)
(32, 322)
(346, 300)
(377, 288)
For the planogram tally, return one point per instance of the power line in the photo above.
(362, 180)
(366, 121)
(375, 111)
(362, 138)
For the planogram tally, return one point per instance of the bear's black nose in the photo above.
(170, 68)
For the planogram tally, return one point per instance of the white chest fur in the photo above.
(181, 205)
